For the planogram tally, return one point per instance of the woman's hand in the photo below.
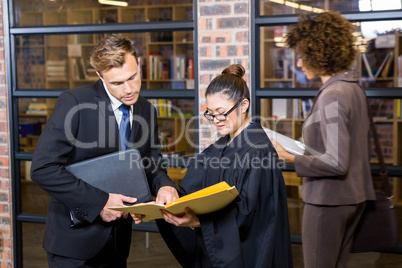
(282, 154)
(166, 194)
(189, 219)
(137, 218)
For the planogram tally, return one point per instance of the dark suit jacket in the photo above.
(83, 126)
(336, 164)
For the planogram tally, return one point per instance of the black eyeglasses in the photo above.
(221, 117)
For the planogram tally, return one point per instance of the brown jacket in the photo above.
(336, 164)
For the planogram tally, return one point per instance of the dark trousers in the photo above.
(108, 257)
(327, 234)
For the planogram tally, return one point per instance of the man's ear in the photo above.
(100, 76)
(139, 65)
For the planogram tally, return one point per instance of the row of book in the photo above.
(37, 108)
(31, 68)
(163, 106)
(82, 71)
(56, 69)
(383, 70)
(175, 67)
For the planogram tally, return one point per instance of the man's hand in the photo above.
(282, 154)
(114, 200)
(189, 219)
(166, 195)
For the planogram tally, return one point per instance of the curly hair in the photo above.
(324, 42)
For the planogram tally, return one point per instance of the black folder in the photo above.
(120, 172)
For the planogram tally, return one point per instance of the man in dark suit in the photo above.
(85, 124)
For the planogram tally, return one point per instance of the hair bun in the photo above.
(235, 69)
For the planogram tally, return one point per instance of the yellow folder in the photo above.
(204, 201)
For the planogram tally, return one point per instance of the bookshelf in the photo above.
(172, 66)
(62, 61)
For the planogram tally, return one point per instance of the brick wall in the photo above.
(223, 36)
(5, 180)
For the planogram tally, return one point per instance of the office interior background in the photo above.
(183, 45)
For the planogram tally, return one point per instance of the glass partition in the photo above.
(282, 7)
(35, 199)
(62, 61)
(63, 12)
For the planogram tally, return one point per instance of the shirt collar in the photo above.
(115, 102)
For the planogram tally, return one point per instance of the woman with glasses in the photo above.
(253, 231)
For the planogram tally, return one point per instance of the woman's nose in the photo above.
(299, 62)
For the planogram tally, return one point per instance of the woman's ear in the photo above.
(245, 105)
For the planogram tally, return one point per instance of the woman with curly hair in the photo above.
(336, 164)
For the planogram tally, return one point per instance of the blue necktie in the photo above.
(124, 128)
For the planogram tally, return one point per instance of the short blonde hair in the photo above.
(110, 52)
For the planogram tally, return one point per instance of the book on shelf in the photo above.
(204, 201)
(387, 67)
(163, 106)
(380, 68)
(79, 72)
(180, 67)
(190, 69)
(91, 74)
(56, 62)
(159, 68)
(306, 107)
(367, 65)
(297, 111)
(37, 108)
(56, 69)
(155, 63)
(152, 58)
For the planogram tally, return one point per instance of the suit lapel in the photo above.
(135, 129)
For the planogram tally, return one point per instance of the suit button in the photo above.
(77, 210)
